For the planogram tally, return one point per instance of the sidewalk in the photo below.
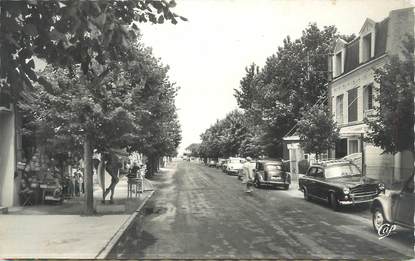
(61, 231)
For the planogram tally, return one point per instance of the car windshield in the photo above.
(339, 171)
(235, 161)
(272, 167)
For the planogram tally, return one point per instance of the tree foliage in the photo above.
(317, 130)
(194, 149)
(224, 138)
(67, 33)
(392, 125)
(293, 79)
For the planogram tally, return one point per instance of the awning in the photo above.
(353, 131)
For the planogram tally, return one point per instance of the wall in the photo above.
(401, 23)
(7, 158)
(358, 78)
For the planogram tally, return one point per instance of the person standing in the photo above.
(248, 173)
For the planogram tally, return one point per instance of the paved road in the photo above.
(199, 212)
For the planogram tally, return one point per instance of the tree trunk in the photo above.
(88, 179)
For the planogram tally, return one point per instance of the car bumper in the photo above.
(233, 172)
(355, 202)
(274, 183)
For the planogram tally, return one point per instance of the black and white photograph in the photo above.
(207, 129)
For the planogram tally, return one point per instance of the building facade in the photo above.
(352, 90)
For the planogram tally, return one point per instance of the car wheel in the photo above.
(378, 219)
(333, 202)
(306, 195)
(257, 184)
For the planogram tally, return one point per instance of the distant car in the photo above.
(212, 163)
(339, 182)
(225, 165)
(220, 163)
(234, 166)
(395, 207)
(271, 173)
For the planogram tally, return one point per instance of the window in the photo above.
(338, 64)
(339, 109)
(319, 173)
(368, 97)
(353, 146)
(312, 172)
(259, 166)
(366, 47)
(339, 171)
(352, 105)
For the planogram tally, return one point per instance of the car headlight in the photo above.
(381, 187)
(346, 190)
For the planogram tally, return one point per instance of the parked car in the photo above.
(271, 173)
(225, 165)
(339, 182)
(220, 163)
(395, 207)
(212, 163)
(234, 166)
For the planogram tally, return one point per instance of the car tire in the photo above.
(257, 183)
(306, 195)
(378, 219)
(333, 202)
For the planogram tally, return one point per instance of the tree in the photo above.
(224, 138)
(293, 79)
(78, 35)
(194, 149)
(68, 32)
(317, 130)
(392, 125)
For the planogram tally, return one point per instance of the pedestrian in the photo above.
(112, 166)
(248, 174)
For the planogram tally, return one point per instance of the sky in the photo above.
(208, 54)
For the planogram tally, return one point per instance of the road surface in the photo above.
(199, 212)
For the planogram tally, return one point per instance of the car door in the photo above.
(320, 186)
(311, 182)
(405, 205)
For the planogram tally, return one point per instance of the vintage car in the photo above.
(234, 166)
(271, 173)
(225, 165)
(339, 182)
(220, 163)
(212, 163)
(395, 207)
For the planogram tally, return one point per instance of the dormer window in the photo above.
(338, 58)
(366, 48)
(367, 37)
(338, 64)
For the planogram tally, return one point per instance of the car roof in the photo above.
(329, 163)
(270, 162)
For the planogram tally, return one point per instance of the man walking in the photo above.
(248, 173)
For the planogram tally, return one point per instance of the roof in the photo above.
(352, 47)
(328, 163)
